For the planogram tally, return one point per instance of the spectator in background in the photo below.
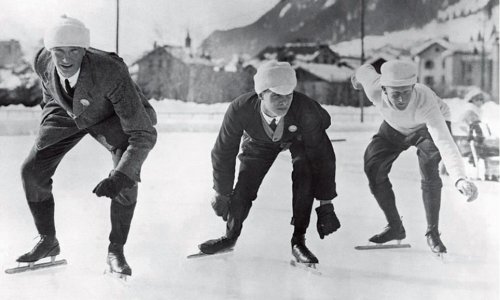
(480, 143)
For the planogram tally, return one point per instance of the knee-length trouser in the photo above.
(255, 161)
(379, 156)
(37, 172)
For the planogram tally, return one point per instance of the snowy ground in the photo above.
(174, 215)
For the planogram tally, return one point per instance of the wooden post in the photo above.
(117, 24)
(362, 58)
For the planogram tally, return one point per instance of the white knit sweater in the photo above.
(425, 109)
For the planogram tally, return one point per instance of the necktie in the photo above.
(68, 88)
(273, 125)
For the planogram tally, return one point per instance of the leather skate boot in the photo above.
(390, 233)
(47, 246)
(434, 240)
(222, 244)
(116, 260)
(301, 253)
(238, 212)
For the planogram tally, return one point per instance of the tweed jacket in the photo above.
(305, 122)
(106, 103)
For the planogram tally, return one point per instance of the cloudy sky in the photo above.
(141, 21)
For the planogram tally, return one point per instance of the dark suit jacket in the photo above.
(305, 122)
(106, 103)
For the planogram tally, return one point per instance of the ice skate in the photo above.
(117, 265)
(434, 241)
(390, 233)
(215, 246)
(303, 257)
(301, 253)
(47, 246)
(394, 233)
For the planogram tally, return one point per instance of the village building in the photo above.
(327, 84)
(10, 53)
(445, 66)
(174, 72)
(303, 52)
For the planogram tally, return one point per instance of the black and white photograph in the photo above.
(263, 149)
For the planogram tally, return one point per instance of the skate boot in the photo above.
(116, 261)
(434, 240)
(390, 233)
(47, 246)
(301, 253)
(220, 245)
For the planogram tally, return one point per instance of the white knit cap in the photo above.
(279, 77)
(474, 92)
(67, 32)
(398, 73)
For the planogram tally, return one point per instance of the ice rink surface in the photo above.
(174, 215)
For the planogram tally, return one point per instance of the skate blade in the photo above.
(201, 254)
(383, 246)
(441, 256)
(122, 277)
(32, 266)
(310, 267)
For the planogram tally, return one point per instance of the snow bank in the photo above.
(8, 81)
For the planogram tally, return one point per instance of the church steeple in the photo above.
(187, 42)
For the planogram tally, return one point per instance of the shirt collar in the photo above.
(72, 80)
(268, 118)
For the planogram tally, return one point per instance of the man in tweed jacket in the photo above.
(86, 91)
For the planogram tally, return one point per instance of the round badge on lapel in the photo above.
(85, 102)
(292, 128)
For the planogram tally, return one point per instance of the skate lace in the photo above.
(42, 238)
(434, 234)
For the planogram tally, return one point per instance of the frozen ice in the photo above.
(174, 215)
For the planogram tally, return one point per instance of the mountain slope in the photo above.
(334, 21)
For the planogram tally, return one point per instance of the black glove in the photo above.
(220, 204)
(327, 220)
(111, 186)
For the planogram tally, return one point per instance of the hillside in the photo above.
(335, 21)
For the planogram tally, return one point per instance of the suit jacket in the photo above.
(305, 122)
(106, 103)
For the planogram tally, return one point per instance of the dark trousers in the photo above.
(37, 172)
(255, 161)
(379, 156)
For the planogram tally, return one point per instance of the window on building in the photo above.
(469, 68)
(443, 80)
(429, 65)
(438, 49)
(429, 80)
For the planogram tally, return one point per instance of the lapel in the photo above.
(82, 98)
(291, 126)
(57, 93)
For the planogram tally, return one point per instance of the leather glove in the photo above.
(220, 204)
(468, 189)
(327, 220)
(111, 186)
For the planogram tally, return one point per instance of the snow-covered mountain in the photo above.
(335, 21)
